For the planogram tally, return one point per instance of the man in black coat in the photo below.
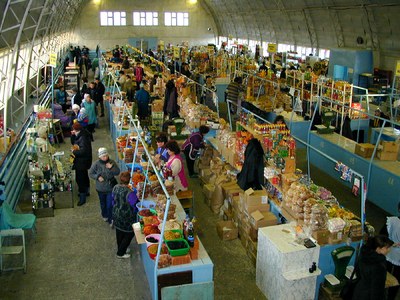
(100, 90)
(82, 150)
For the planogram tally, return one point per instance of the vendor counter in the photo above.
(201, 268)
(283, 265)
(384, 181)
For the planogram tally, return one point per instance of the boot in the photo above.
(88, 191)
(82, 199)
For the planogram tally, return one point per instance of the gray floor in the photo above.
(74, 253)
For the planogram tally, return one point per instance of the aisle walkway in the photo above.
(73, 256)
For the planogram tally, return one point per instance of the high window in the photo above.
(113, 18)
(142, 18)
(176, 19)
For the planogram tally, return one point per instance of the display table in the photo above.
(384, 182)
(201, 268)
(283, 265)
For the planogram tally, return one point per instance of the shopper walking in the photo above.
(171, 107)
(143, 100)
(139, 75)
(175, 164)
(103, 171)
(371, 269)
(191, 148)
(90, 108)
(124, 214)
(82, 152)
(99, 93)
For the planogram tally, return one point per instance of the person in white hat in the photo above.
(103, 171)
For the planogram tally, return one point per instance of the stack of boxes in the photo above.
(244, 211)
(388, 150)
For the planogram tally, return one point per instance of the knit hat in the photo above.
(102, 151)
(76, 106)
(77, 127)
(42, 132)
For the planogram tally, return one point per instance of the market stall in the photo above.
(161, 215)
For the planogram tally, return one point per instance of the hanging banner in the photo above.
(272, 48)
(53, 59)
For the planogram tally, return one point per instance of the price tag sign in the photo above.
(272, 48)
(53, 59)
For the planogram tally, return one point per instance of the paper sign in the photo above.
(53, 59)
(272, 48)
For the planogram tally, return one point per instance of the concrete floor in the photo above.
(74, 253)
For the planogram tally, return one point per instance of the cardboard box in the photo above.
(390, 146)
(253, 234)
(227, 230)
(230, 189)
(262, 219)
(208, 190)
(260, 207)
(252, 247)
(321, 236)
(386, 155)
(253, 197)
(364, 149)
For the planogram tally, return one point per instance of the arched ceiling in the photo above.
(24, 20)
(313, 23)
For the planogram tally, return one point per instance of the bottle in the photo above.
(185, 225)
(190, 235)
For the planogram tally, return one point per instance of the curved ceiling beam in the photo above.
(12, 67)
(208, 9)
(273, 35)
(310, 29)
(369, 14)
(284, 11)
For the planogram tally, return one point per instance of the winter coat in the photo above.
(124, 211)
(371, 272)
(98, 169)
(83, 156)
(252, 174)
(193, 144)
(171, 100)
(99, 92)
(91, 111)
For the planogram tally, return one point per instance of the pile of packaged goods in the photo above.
(317, 210)
(197, 114)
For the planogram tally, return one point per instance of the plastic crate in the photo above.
(178, 252)
(175, 231)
